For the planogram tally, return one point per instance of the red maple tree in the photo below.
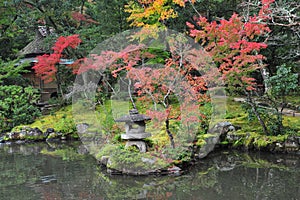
(47, 64)
(161, 86)
(232, 45)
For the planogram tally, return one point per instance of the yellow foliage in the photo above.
(151, 12)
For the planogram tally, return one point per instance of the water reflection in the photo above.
(57, 171)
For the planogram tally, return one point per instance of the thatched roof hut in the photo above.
(38, 46)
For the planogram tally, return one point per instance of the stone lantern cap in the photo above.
(135, 125)
(133, 116)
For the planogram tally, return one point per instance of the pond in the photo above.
(62, 171)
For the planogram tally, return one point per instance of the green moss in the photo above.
(206, 136)
(132, 161)
(239, 117)
(236, 114)
(262, 140)
(61, 121)
(292, 122)
(200, 142)
(294, 99)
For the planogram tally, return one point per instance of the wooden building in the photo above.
(36, 48)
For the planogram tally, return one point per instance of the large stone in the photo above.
(23, 135)
(13, 135)
(104, 160)
(174, 170)
(82, 128)
(35, 132)
(52, 137)
(222, 127)
(82, 149)
(208, 147)
(291, 144)
(148, 160)
(135, 136)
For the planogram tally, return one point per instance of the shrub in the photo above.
(17, 106)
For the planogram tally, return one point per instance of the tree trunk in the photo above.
(170, 134)
(254, 109)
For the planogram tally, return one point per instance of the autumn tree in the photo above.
(283, 19)
(234, 45)
(166, 74)
(48, 66)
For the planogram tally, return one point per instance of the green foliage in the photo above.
(178, 154)
(159, 57)
(259, 140)
(116, 138)
(105, 116)
(11, 69)
(283, 83)
(294, 99)
(17, 106)
(65, 125)
(206, 110)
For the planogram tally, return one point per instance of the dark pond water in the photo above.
(34, 171)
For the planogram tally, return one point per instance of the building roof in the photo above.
(62, 61)
(38, 45)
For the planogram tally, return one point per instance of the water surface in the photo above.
(61, 171)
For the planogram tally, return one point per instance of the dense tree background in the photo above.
(96, 20)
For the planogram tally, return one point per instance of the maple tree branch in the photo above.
(165, 98)
(130, 96)
(107, 82)
(169, 133)
(285, 25)
(82, 6)
(254, 109)
(194, 8)
(147, 92)
(153, 99)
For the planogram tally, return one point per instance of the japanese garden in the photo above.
(150, 99)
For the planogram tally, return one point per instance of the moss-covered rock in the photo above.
(128, 161)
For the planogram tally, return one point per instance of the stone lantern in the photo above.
(135, 127)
